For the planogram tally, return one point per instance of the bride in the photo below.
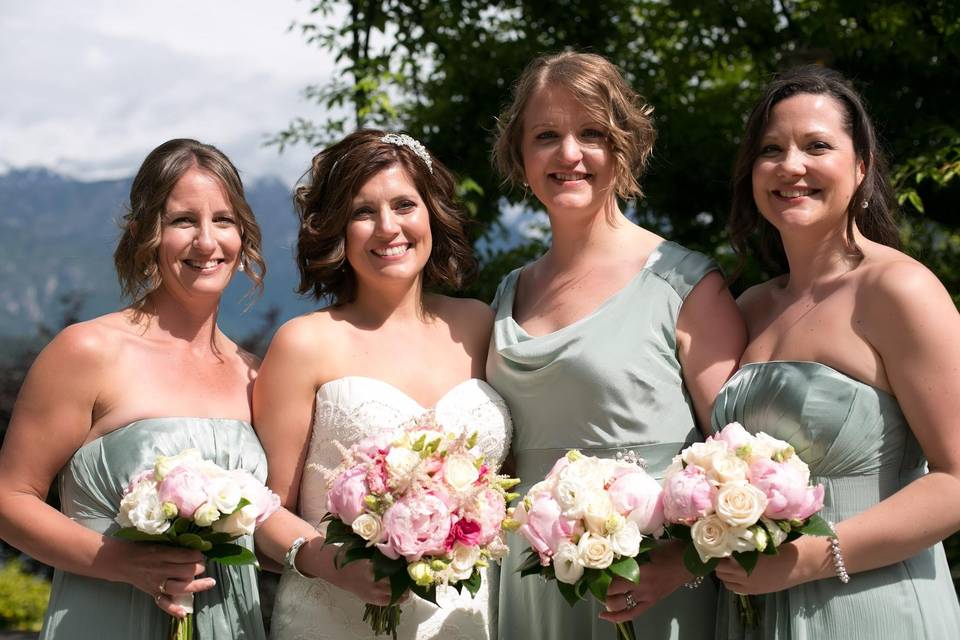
(378, 224)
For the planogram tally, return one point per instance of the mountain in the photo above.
(57, 237)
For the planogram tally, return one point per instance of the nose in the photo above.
(570, 150)
(387, 224)
(203, 240)
(792, 163)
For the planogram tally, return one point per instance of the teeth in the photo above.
(796, 194)
(570, 176)
(398, 250)
(209, 264)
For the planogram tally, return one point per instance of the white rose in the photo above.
(594, 552)
(572, 496)
(597, 509)
(729, 468)
(703, 454)
(369, 527)
(239, 523)
(587, 471)
(141, 508)
(401, 463)
(740, 505)
(225, 494)
(206, 514)
(463, 559)
(714, 539)
(166, 464)
(566, 563)
(766, 446)
(626, 540)
(460, 472)
(777, 535)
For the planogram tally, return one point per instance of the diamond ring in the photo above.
(631, 603)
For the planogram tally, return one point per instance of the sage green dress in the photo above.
(859, 446)
(609, 382)
(91, 486)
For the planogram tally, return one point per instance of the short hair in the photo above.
(600, 87)
(324, 199)
(135, 257)
(746, 225)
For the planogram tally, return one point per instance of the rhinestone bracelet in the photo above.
(693, 584)
(838, 566)
(291, 557)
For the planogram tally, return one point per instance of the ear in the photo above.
(861, 170)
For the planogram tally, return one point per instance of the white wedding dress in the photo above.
(349, 409)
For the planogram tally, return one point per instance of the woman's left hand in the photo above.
(658, 578)
(794, 564)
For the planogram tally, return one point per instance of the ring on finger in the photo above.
(628, 597)
(157, 598)
(163, 587)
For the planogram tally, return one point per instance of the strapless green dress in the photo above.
(859, 446)
(91, 485)
(607, 383)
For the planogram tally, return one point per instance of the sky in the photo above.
(89, 88)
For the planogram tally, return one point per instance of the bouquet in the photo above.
(739, 495)
(186, 501)
(588, 521)
(423, 507)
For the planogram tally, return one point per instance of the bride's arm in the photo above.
(283, 405)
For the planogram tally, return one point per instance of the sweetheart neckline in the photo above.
(482, 384)
(819, 364)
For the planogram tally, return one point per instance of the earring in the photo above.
(240, 266)
(866, 203)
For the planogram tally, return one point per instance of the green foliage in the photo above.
(23, 598)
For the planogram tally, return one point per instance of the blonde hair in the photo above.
(599, 86)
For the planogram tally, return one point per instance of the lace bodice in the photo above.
(349, 409)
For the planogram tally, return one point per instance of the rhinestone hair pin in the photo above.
(403, 140)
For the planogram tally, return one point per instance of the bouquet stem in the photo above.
(625, 631)
(181, 628)
(749, 617)
(383, 620)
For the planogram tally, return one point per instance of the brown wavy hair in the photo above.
(599, 86)
(323, 202)
(135, 257)
(750, 231)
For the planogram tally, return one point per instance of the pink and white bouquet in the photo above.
(590, 520)
(186, 501)
(740, 495)
(423, 506)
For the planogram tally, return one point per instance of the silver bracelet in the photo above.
(290, 559)
(693, 584)
(838, 566)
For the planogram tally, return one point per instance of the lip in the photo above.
(570, 178)
(407, 247)
(794, 194)
(192, 265)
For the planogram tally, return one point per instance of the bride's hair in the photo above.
(323, 202)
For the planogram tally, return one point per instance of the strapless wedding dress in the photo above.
(349, 409)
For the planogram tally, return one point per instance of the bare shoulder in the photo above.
(890, 275)
(88, 345)
(466, 314)
(758, 300)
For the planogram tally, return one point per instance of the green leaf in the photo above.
(583, 584)
(816, 526)
(530, 566)
(193, 541)
(384, 567)
(353, 554)
(473, 583)
(180, 525)
(747, 559)
(427, 593)
(569, 593)
(626, 568)
(693, 563)
(231, 554)
(599, 584)
(216, 537)
(135, 535)
(679, 532)
(915, 200)
(338, 532)
(399, 584)
(240, 505)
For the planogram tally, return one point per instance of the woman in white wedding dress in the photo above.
(378, 224)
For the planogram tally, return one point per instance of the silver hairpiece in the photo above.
(403, 140)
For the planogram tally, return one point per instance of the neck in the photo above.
(400, 301)
(194, 322)
(815, 257)
(579, 239)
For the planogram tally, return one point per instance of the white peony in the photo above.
(369, 527)
(573, 496)
(704, 454)
(714, 539)
(141, 508)
(566, 563)
(463, 559)
(401, 463)
(626, 540)
(239, 523)
(460, 472)
(767, 446)
(225, 493)
(595, 552)
(740, 504)
(206, 514)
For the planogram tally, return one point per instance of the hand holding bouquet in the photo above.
(588, 521)
(186, 501)
(739, 495)
(423, 507)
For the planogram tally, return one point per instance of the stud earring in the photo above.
(866, 203)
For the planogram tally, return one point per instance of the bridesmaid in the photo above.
(614, 339)
(104, 398)
(853, 359)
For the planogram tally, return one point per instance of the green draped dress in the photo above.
(608, 382)
(859, 446)
(91, 486)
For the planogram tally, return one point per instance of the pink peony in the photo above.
(377, 477)
(489, 510)
(186, 488)
(464, 531)
(143, 476)
(558, 466)
(416, 525)
(789, 497)
(371, 446)
(687, 495)
(638, 496)
(544, 527)
(345, 498)
(264, 501)
(734, 435)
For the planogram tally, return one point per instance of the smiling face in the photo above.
(566, 157)
(388, 235)
(807, 169)
(200, 236)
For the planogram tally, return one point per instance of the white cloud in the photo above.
(90, 87)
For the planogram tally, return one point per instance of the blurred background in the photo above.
(90, 88)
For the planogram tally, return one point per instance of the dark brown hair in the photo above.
(748, 228)
(599, 86)
(135, 257)
(323, 202)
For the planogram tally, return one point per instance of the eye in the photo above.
(769, 150)
(180, 221)
(819, 145)
(362, 213)
(546, 135)
(406, 206)
(594, 134)
(225, 220)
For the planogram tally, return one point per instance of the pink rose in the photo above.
(734, 435)
(638, 496)
(184, 487)
(789, 497)
(345, 498)
(464, 531)
(489, 510)
(687, 495)
(416, 526)
(544, 527)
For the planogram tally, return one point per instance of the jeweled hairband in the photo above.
(403, 140)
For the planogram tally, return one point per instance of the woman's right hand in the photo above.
(162, 572)
(314, 559)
